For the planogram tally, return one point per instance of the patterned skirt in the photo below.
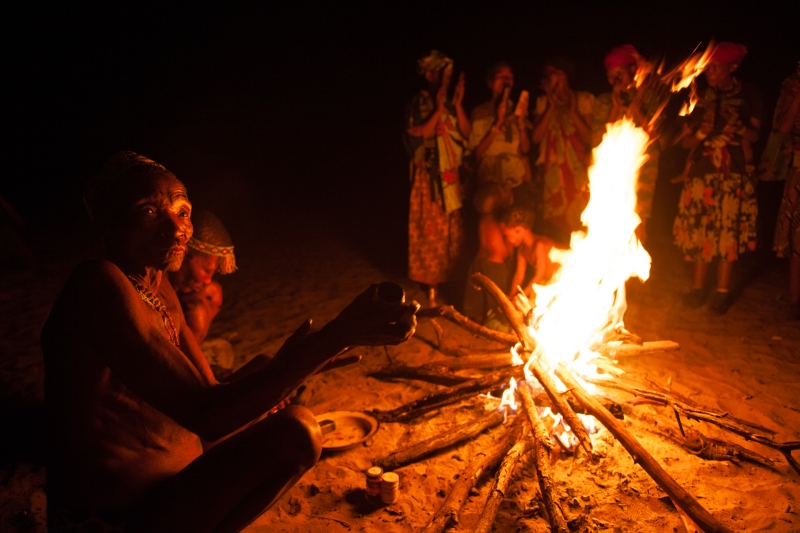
(716, 217)
(435, 239)
(787, 229)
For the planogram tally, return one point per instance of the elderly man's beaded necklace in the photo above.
(155, 303)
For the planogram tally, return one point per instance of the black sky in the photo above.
(292, 102)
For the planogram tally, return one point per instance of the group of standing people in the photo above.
(539, 160)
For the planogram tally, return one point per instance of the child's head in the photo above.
(490, 197)
(516, 223)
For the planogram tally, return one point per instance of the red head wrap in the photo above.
(622, 56)
(727, 52)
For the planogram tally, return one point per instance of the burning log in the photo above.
(542, 448)
(447, 515)
(444, 440)
(448, 396)
(449, 312)
(538, 371)
(680, 497)
(625, 350)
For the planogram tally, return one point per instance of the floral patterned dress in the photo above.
(717, 209)
(563, 162)
(435, 231)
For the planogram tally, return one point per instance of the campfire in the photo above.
(562, 355)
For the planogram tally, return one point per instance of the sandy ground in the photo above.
(745, 363)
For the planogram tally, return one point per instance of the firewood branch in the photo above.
(542, 445)
(680, 497)
(721, 420)
(449, 312)
(501, 482)
(445, 439)
(448, 396)
(447, 515)
(535, 366)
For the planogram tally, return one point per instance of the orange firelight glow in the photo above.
(587, 300)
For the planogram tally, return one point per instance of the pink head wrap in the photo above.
(727, 52)
(622, 56)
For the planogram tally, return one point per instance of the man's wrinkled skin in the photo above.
(130, 414)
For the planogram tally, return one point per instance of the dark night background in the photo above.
(274, 107)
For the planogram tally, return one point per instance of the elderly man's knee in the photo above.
(299, 427)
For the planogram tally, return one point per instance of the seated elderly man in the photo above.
(141, 437)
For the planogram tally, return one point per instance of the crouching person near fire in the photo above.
(210, 250)
(532, 250)
(141, 437)
(493, 252)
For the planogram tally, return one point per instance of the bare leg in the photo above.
(724, 270)
(721, 301)
(696, 296)
(233, 483)
(699, 279)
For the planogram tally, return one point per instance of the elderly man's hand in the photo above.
(377, 316)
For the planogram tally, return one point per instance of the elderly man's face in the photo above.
(157, 224)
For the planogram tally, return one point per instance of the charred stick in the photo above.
(449, 312)
(508, 309)
(786, 448)
(667, 399)
(705, 447)
(447, 515)
(535, 366)
(480, 360)
(444, 440)
(680, 497)
(541, 452)
(432, 373)
(447, 396)
(722, 420)
(501, 481)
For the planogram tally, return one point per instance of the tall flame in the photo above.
(683, 76)
(688, 107)
(587, 300)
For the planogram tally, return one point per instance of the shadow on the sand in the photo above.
(23, 427)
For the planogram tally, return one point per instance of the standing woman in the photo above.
(638, 104)
(787, 231)
(562, 128)
(717, 211)
(436, 131)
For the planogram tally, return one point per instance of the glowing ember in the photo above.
(509, 396)
(515, 358)
(587, 300)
